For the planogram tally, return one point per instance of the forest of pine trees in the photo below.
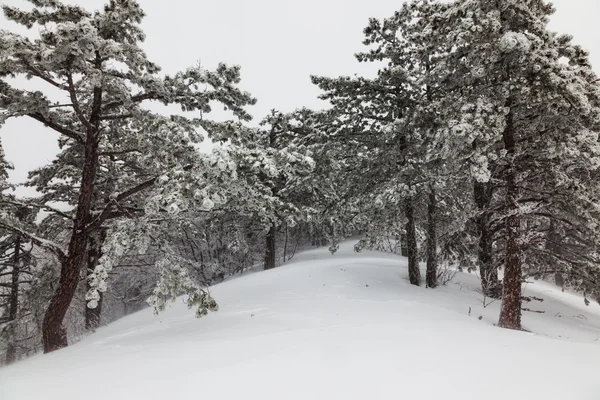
(476, 146)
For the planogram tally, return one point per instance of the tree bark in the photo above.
(54, 335)
(403, 248)
(510, 312)
(490, 284)
(13, 308)
(92, 315)
(414, 274)
(270, 248)
(553, 246)
(431, 275)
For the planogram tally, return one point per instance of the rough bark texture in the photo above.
(510, 312)
(270, 248)
(490, 284)
(414, 274)
(432, 259)
(13, 307)
(92, 315)
(54, 335)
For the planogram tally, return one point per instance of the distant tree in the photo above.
(16, 263)
(394, 127)
(277, 164)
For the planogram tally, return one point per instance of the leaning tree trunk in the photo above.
(431, 275)
(54, 334)
(414, 274)
(13, 307)
(510, 312)
(270, 247)
(92, 315)
(490, 284)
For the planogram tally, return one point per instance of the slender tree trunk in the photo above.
(270, 248)
(285, 245)
(553, 243)
(92, 315)
(54, 334)
(13, 307)
(510, 312)
(432, 259)
(414, 274)
(490, 284)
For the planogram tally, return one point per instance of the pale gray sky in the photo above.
(278, 43)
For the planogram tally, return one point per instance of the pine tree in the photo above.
(15, 264)
(542, 89)
(395, 123)
(274, 161)
(95, 60)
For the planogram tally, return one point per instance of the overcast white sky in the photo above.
(278, 43)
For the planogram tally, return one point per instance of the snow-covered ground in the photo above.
(347, 326)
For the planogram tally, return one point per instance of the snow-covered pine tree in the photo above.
(410, 41)
(277, 165)
(95, 61)
(373, 117)
(542, 89)
(15, 265)
(394, 125)
(16, 268)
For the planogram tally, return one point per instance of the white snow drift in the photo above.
(347, 326)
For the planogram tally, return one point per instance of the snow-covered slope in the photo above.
(347, 326)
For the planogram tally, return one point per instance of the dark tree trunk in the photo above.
(510, 312)
(13, 307)
(559, 280)
(553, 245)
(414, 274)
(54, 334)
(490, 284)
(270, 248)
(403, 248)
(92, 315)
(432, 259)
(285, 244)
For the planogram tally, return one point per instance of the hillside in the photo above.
(347, 326)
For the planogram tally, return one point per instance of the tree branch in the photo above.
(44, 207)
(115, 117)
(35, 72)
(75, 102)
(56, 127)
(43, 243)
(134, 99)
(118, 153)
